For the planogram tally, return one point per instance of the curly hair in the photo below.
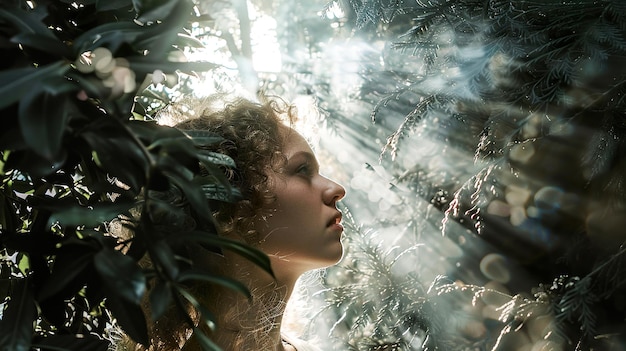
(252, 138)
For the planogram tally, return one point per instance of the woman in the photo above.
(288, 211)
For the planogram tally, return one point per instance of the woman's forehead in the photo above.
(294, 143)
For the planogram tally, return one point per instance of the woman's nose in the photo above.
(333, 192)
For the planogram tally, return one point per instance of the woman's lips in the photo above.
(335, 222)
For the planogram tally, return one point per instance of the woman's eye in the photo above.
(304, 169)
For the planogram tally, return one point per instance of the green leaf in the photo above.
(227, 282)
(117, 153)
(21, 186)
(211, 162)
(121, 274)
(156, 95)
(160, 299)
(25, 22)
(16, 82)
(110, 35)
(53, 310)
(32, 163)
(88, 216)
(129, 316)
(221, 193)
(108, 5)
(90, 84)
(23, 264)
(142, 66)
(83, 2)
(8, 216)
(203, 137)
(151, 131)
(43, 118)
(188, 41)
(162, 33)
(176, 143)
(182, 177)
(218, 187)
(70, 262)
(166, 212)
(50, 45)
(204, 341)
(85, 342)
(172, 165)
(154, 10)
(206, 315)
(216, 158)
(255, 255)
(16, 326)
(59, 85)
(163, 257)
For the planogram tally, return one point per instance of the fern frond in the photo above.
(615, 10)
(576, 304)
(608, 33)
(395, 95)
(427, 105)
(425, 22)
(610, 275)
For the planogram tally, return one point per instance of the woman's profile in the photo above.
(287, 210)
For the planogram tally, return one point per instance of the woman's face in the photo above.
(303, 231)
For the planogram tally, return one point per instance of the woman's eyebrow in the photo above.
(308, 155)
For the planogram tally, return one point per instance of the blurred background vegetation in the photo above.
(482, 144)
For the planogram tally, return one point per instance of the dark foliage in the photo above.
(77, 149)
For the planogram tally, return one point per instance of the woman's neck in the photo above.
(244, 324)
